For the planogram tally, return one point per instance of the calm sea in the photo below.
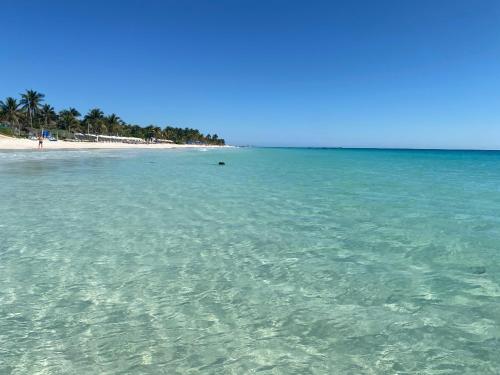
(283, 261)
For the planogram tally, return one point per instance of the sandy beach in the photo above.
(9, 143)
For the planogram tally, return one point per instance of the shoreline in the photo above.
(10, 144)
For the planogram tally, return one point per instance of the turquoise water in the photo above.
(284, 261)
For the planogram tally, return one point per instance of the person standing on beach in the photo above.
(40, 142)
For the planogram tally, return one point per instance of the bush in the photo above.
(6, 131)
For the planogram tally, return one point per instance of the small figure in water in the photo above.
(222, 163)
(40, 142)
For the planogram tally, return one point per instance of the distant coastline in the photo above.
(10, 143)
(32, 118)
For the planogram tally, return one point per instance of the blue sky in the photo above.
(309, 73)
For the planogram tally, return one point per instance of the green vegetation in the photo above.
(30, 114)
(6, 131)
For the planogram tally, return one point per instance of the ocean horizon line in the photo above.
(371, 148)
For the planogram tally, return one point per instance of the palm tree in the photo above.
(93, 118)
(48, 114)
(101, 127)
(114, 123)
(68, 119)
(9, 112)
(31, 101)
(74, 112)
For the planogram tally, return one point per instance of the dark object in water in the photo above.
(222, 163)
(479, 270)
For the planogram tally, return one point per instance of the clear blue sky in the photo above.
(309, 73)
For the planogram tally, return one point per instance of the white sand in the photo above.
(8, 143)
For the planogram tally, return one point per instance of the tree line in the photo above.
(31, 112)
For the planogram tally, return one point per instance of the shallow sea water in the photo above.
(283, 261)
